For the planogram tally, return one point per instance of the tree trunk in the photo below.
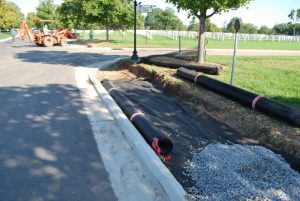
(107, 34)
(201, 39)
(294, 30)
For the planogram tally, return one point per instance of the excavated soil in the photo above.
(256, 128)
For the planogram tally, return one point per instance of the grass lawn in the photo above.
(4, 35)
(277, 78)
(187, 43)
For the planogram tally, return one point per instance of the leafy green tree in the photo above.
(151, 20)
(245, 27)
(193, 24)
(126, 19)
(105, 12)
(230, 25)
(294, 16)
(286, 28)
(71, 14)
(10, 15)
(46, 10)
(201, 9)
(210, 27)
(166, 19)
(32, 19)
(265, 30)
(248, 28)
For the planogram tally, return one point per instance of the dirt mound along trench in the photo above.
(257, 129)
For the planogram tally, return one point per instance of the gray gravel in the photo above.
(241, 172)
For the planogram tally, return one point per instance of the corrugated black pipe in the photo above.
(270, 107)
(161, 144)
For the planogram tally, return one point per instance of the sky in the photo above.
(259, 12)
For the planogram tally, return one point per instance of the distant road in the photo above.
(243, 52)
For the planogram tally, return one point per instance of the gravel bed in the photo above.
(241, 172)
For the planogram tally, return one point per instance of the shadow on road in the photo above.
(63, 57)
(47, 148)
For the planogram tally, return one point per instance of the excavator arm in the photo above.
(24, 30)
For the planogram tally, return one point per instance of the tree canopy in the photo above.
(71, 14)
(46, 10)
(294, 16)
(245, 27)
(210, 27)
(204, 9)
(117, 14)
(10, 15)
(166, 19)
(32, 19)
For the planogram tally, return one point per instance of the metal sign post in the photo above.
(237, 27)
(141, 9)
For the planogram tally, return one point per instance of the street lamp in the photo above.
(134, 53)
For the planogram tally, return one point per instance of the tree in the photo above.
(245, 27)
(193, 24)
(126, 18)
(248, 28)
(166, 19)
(106, 12)
(230, 25)
(200, 9)
(71, 14)
(265, 30)
(46, 10)
(10, 15)
(294, 16)
(32, 19)
(210, 27)
(151, 20)
(286, 28)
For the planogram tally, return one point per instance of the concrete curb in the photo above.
(6, 39)
(148, 158)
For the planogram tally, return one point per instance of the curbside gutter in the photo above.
(146, 155)
(6, 39)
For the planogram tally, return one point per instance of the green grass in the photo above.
(254, 44)
(163, 42)
(277, 78)
(4, 35)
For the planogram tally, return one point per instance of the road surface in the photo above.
(47, 149)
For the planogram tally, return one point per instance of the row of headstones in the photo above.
(216, 35)
(192, 34)
(223, 36)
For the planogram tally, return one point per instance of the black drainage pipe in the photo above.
(160, 143)
(170, 62)
(270, 107)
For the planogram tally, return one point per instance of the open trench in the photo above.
(196, 136)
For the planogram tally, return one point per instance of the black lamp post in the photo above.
(134, 53)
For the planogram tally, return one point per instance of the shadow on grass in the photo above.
(291, 101)
(97, 41)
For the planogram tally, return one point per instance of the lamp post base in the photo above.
(134, 56)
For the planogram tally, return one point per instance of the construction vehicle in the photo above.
(46, 38)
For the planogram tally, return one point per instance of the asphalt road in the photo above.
(47, 150)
